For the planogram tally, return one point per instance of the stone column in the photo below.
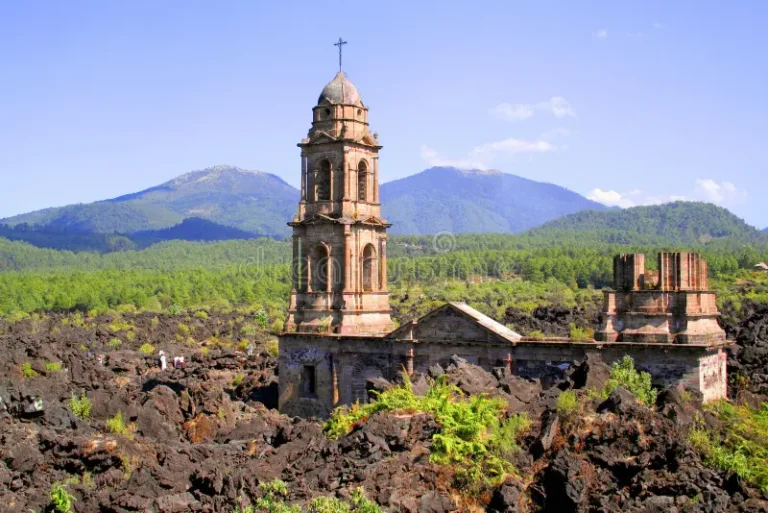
(383, 259)
(409, 362)
(335, 380)
(303, 177)
(309, 272)
(345, 176)
(375, 179)
(508, 362)
(329, 273)
(296, 264)
(347, 258)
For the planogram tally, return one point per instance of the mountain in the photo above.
(678, 222)
(459, 201)
(766, 230)
(253, 201)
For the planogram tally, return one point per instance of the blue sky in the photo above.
(626, 102)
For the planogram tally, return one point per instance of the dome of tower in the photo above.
(340, 91)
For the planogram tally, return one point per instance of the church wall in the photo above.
(697, 368)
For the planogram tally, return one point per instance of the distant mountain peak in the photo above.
(480, 172)
(214, 172)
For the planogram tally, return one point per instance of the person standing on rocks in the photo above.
(163, 361)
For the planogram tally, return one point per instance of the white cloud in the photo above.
(704, 189)
(512, 147)
(600, 34)
(481, 156)
(557, 106)
(610, 198)
(433, 159)
(512, 112)
(719, 193)
(658, 25)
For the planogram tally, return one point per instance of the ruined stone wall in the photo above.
(343, 364)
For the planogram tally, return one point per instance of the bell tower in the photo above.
(339, 237)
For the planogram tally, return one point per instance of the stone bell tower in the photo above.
(339, 237)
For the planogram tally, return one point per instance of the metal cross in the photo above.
(340, 44)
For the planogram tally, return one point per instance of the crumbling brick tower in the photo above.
(670, 305)
(339, 237)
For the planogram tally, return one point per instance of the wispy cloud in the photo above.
(658, 25)
(600, 34)
(704, 189)
(557, 106)
(481, 156)
(431, 158)
(512, 147)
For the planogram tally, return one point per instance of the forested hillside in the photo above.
(679, 222)
(252, 201)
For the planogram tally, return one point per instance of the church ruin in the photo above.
(339, 333)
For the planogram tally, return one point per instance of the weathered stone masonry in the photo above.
(339, 333)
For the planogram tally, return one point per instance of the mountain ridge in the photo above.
(676, 222)
(442, 199)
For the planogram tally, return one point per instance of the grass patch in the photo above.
(61, 499)
(475, 440)
(272, 348)
(579, 333)
(275, 492)
(567, 404)
(147, 349)
(52, 367)
(118, 426)
(27, 371)
(81, 407)
(624, 374)
(238, 380)
(740, 445)
(114, 342)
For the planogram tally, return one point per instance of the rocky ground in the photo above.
(202, 437)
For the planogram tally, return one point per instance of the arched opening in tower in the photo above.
(369, 268)
(362, 181)
(319, 263)
(323, 181)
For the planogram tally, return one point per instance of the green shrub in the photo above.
(27, 371)
(249, 330)
(740, 445)
(117, 424)
(262, 319)
(81, 407)
(277, 326)
(273, 348)
(567, 404)
(119, 325)
(475, 439)
(274, 493)
(61, 499)
(147, 349)
(536, 335)
(579, 333)
(201, 314)
(238, 380)
(114, 342)
(52, 367)
(624, 374)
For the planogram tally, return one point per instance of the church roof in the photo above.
(340, 91)
(436, 318)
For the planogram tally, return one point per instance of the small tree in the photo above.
(624, 374)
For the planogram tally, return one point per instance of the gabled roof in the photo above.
(762, 265)
(482, 321)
